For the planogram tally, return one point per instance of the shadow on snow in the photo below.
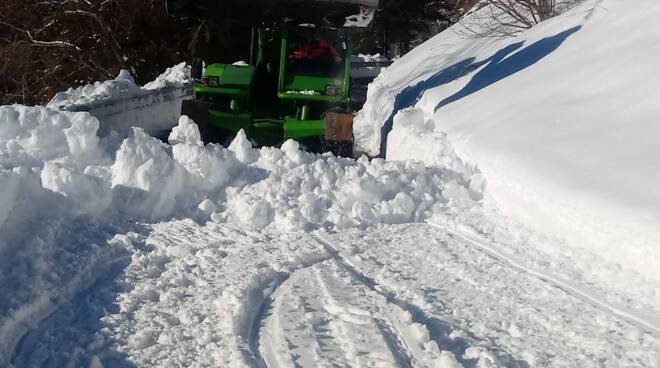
(497, 67)
(75, 334)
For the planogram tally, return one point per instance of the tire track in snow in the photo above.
(353, 304)
(254, 331)
(394, 344)
(647, 324)
(323, 316)
(264, 310)
(331, 310)
(258, 320)
(31, 318)
(438, 330)
(298, 326)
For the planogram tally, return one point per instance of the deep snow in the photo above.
(561, 121)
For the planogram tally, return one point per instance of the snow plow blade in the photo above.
(347, 13)
(339, 134)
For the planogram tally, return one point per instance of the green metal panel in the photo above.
(237, 76)
(267, 133)
(230, 121)
(231, 76)
(280, 84)
(303, 97)
(294, 128)
(214, 70)
(221, 91)
(309, 83)
(347, 65)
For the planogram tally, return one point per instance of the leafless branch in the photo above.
(107, 34)
(503, 18)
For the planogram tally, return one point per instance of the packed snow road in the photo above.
(397, 296)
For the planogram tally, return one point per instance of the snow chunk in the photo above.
(186, 132)
(243, 149)
(145, 177)
(31, 135)
(90, 194)
(174, 77)
(208, 168)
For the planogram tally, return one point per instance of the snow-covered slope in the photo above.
(561, 120)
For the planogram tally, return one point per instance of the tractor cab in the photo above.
(315, 61)
(296, 85)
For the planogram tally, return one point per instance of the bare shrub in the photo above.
(504, 18)
(48, 46)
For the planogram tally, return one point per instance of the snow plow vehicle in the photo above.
(296, 85)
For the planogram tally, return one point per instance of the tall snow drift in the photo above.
(561, 120)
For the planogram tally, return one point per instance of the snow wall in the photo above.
(562, 120)
(120, 104)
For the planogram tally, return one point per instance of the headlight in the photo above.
(331, 90)
(213, 81)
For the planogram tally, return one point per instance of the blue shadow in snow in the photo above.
(498, 67)
(75, 332)
(411, 94)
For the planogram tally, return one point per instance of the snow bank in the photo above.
(120, 104)
(560, 123)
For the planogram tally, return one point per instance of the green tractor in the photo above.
(296, 85)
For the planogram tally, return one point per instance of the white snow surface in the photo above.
(560, 120)
(412, 295)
